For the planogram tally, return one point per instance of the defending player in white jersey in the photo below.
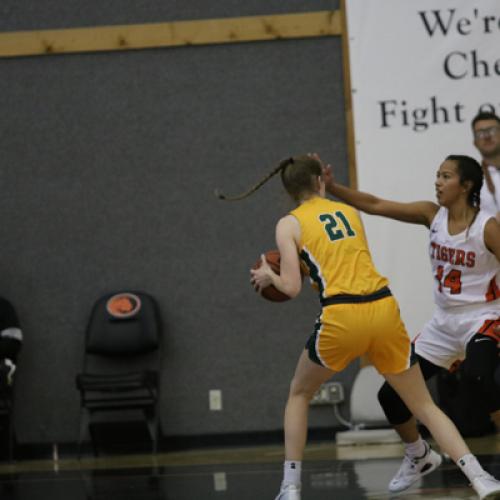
(466, 293)
(466, 271)
(465, 254)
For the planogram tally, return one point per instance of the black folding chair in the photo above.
(11, 339)
(122, 361)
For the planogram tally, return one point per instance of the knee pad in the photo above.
(481, 359)
(482, 366)
(394, 408)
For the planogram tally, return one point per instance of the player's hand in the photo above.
(327, 176)
(326, 169)
(261, 277)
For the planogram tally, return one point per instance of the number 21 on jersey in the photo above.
(331, 222)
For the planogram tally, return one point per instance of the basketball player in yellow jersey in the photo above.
(359, 316)
(333, 246)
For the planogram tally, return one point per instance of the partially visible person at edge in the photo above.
(465, 253)
(486, 132)
(359, 316)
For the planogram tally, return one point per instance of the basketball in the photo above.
(271, 292)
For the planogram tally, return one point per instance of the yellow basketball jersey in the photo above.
(334, 249)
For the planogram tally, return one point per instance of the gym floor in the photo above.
(253, 473)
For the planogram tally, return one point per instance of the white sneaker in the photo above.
(486, 486)
(289, 492)
(413, 469)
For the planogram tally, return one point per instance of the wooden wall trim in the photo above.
(351, 144)
(171, 34)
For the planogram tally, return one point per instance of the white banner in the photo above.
(420, 71)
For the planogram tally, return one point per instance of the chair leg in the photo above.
(84, 424)
(10, 437)
(153, 426)
(156, 433)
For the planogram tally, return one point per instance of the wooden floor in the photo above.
(254, 473)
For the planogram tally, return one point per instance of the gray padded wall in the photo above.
(109, 162)
(17, 15)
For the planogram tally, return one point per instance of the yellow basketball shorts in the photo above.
(344, 332)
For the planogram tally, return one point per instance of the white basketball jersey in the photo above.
(465, 271)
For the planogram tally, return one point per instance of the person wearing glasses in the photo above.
(486, 131)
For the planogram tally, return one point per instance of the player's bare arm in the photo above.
(287, 238)
(289, 280)
(418, 212)
(492, 237)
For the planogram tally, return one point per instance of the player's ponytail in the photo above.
(298, 175)
(283, 164)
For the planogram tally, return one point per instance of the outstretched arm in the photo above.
(418, 212)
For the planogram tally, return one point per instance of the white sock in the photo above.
(416, 449)
(470, 466)
(292, 470)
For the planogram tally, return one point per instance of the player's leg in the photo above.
(480, 365)
(419, 458)
(410, 386)
(306, 381)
